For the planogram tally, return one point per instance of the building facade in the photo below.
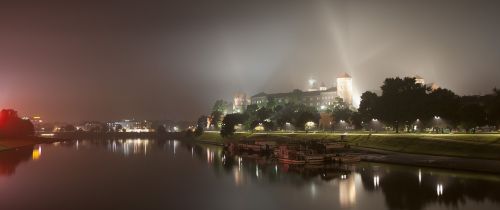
(344, 88)
(320, 98)
(240, 102)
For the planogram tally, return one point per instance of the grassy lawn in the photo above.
(486, 146)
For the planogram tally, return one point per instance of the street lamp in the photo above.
(416, 125)
(438, 123)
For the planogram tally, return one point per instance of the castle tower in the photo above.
(240, 102)
(344, 87)
(419, 80)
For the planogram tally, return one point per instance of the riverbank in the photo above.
(118, 135)
(480, 146)
(10, 144)
(472, 152)
(432, 161)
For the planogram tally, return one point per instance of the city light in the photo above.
(311, 82)
(376, 181)
(36, 153)
(419, 176)
(439, 189)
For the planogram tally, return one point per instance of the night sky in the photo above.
(172, 60)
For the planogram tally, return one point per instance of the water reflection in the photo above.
(37, 152)
(347, 191)
(332, 186)
(9, 160)
(400, 186)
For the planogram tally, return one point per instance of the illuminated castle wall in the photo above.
(344, 88)
(320, 97)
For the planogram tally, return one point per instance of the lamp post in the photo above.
(374, 124)
(437, 121)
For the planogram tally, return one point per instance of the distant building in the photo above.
(132, 126)
(421, 80)
(320, 97)
(344, 88)
(37, 123)
(240, 102)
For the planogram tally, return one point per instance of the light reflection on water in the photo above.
(264, 183)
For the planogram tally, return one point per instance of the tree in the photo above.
(218, 111)
(472, 113)
(263, 114)
(11, 126)
(369, 107)
(340, 110)
(229, 122)
(284, 114)
(220, 106)
(251, 116)
(271, 103)
(445, 104)
(304, 114)
(402, 101)
(200, 125)
(492, 107)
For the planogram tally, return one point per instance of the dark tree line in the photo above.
(404, 103)
(11, 126)
(270, 117)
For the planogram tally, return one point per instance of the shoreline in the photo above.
(13, 144)
(431, 161)
(367, 154)
(473, 153)
(419, 160)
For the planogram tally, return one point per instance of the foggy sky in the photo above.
(172, 60)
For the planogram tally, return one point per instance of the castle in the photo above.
(320, 97)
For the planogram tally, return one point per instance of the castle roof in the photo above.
(344, 75)
(260, 94)
(418, 77)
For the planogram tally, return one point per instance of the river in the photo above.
(170, 174)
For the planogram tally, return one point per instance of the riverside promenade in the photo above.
(435, 161)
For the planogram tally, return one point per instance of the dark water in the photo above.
(148, 174)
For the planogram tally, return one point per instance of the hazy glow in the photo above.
(347, 192)
(166, 59)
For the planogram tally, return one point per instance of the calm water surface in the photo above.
(154, 174)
